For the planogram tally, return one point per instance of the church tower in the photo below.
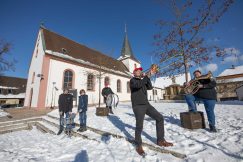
(127, 57)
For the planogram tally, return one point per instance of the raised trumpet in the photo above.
(154, 68)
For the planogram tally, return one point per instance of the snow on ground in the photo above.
(35, 146)
(198, 145)
(3, 113)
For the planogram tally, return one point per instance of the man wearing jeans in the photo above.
(139, 85)
(206, 94)
(65, 104)
(82, 108)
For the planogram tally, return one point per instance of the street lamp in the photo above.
(53, 86)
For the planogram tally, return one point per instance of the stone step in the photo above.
(13, 126)
(87, 134)
(25, 127)
(43, 127)
(20, 121)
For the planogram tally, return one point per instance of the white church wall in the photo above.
(56, 72)
(129, 63)
(35, 67)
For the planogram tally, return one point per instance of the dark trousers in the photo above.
(208, 104)
(61, 120)
(140, 111)
(105, 98)
(82, 118)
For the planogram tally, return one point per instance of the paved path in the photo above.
(21, 113)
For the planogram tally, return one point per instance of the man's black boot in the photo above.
(60, 131)
(212, 128)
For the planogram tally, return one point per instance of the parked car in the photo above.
(5, 106)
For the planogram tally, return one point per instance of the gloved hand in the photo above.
(200, 86)
(60, 113)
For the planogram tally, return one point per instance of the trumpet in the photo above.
(193, 87)
(154, 68)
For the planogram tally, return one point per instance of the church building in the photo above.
(58, 63)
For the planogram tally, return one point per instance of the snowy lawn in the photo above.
(198, 145)
(226, 145)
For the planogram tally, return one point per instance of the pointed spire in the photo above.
(126, 47)
(42, 25)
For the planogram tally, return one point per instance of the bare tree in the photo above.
(5, 64)
(180, 41)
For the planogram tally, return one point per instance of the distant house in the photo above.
(12, 90)
(166, 88)
(227, 83)
(239, 92)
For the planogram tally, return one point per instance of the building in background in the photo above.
(12, 91)
(166, 88)
(228, 82)
(58, 62)
(239, 92)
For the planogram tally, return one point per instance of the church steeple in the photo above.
(126, 50)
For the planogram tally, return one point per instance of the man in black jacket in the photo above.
(105, 92)
(208, 95)
(139, 85)
(65, 103)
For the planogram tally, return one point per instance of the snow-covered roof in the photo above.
(230, 80)
(232, 71)
(86, 62)
(5, 87)
(163, 82)
(20, 95)
(60, 46)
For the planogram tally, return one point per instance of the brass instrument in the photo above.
(154, 68)
(193, 87)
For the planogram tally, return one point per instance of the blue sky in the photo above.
(99, 24)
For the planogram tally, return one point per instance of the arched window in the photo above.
(118, 85)
(128, 87)
(107, 81)
(68, 79)
(90, 82)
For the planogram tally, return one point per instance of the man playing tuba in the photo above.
(206, 93)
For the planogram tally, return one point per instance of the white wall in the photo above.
(129, 63)
(159, 96)
(35, 66)
(163, 82)
(56, 75)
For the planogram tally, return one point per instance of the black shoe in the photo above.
(83, 129)
(111, 112)
(80, 129)
(212, 128)
(59, 132)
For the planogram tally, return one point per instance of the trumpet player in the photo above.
(207, 94)
(139, 85)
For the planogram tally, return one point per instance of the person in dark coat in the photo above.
(139, 85)
(65, 104)
(82, 108)
(207, 94)
(105, 92)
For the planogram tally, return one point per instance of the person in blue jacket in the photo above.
(82, 108)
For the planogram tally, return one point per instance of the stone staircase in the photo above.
(50, 124)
